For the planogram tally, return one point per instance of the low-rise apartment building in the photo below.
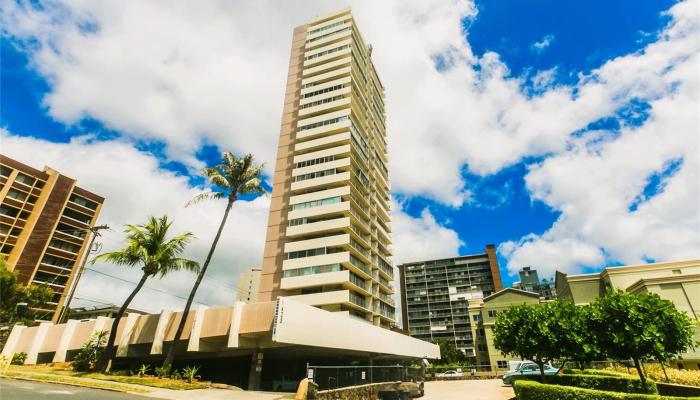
(677, 281)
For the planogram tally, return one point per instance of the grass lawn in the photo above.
(63, 371)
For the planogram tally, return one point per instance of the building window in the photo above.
(323, 123)
(315, 161)
(480, 332)
(83, 202)
(5, 171)
(492, 313)
(16, 194)
(317, 174)
(502, 364)
(316, 203)
(26, 179)
(483, 347)
(306, 253)
(477, 317)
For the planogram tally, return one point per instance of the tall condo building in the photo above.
(248, 285)
(328, 242)
(44, 223)
(436, 295)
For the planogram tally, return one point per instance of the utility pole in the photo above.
(66, 305)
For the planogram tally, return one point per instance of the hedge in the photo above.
(624, 384)
(669, 389)
(531, 390)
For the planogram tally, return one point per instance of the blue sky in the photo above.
(547, 47)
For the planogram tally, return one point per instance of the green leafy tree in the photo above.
(531, 332)
(18, 302)
(149, 247)
(583, 345)
(449, 352)
(232, 178)
(640, 326)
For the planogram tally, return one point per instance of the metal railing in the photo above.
(336, 376)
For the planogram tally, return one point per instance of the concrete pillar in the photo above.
(125, 338)
(371, 369)
(60, 355)
(12, 340)
(159, 335)
(195, 333)
(38, 340)
(234, 330)
(101, 324)
(256, 364)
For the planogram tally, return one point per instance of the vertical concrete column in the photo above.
(159, 335)
(123, 348)
(256, 364)
(371, 369)
(196, 332)
(101, 324)
(234, 330)
(38, 340)
(12, 340)
(60, 355)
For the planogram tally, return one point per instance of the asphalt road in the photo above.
(26, 390)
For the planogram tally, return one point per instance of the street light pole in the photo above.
(66, 305)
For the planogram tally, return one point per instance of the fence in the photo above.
(335, 376)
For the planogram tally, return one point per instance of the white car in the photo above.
(450, 374)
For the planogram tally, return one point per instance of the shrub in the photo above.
(603, 372)
(678, 376)
(143, 370)
(669, 389)
(624, 384)
(19, 358)
(91, 353)
(190, 373)
(531, 390)
(162, 372)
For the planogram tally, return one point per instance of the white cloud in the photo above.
(211, 71)
(135, 187)
(542, 45)
(597, 179)
(422, 237)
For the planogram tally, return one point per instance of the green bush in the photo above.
(616, 383)
(91, 354)
(531, 390)
(19, 358)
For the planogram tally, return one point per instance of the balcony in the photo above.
(323, 142)
(305, 281)
(318, 227)
(333, 180)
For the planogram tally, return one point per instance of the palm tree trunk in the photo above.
(181, 327)
(111, 351)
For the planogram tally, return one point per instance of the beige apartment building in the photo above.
(328, 237)
(248, 285)
(677, 281)
(44, 223)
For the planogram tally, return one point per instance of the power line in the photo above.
(146, 287)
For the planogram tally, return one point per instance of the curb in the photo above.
(22, 378)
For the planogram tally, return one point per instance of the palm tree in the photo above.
(231, 178)
(148, 246)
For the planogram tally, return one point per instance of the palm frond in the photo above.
(206, 196)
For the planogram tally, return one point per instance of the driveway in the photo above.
(483, 389)
(28, 390)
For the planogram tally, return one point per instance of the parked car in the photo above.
(449, 374)
(528, 368)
